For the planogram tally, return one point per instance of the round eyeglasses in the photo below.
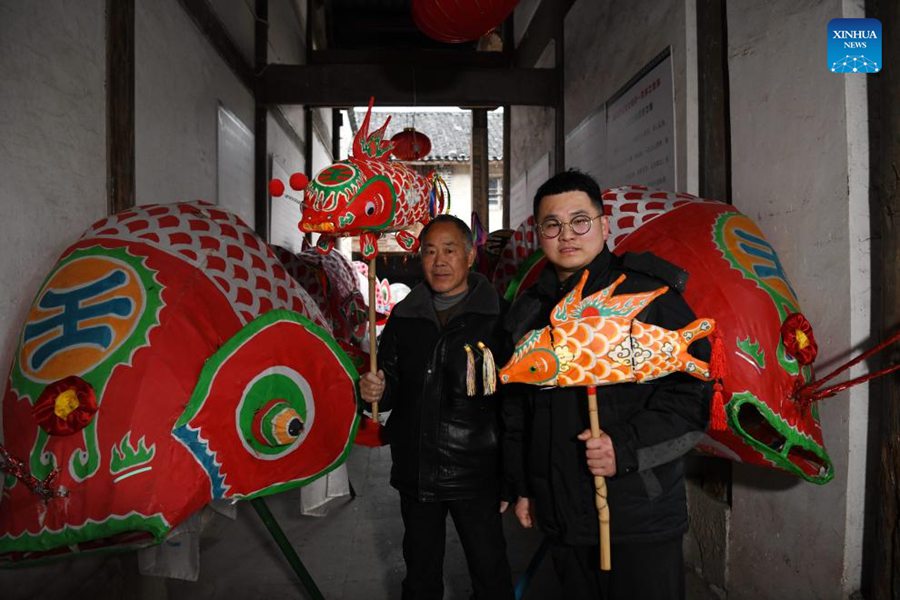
(580, 225)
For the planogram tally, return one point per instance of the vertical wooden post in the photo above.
(480, 164)
(559, 146)
(308, 136)
(261, 209)
(336, 122)
(119, 105)
(507, 162)
(712, 89)
(882, 558)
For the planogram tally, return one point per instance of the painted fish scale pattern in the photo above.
(412, 191)
(331, 281)
(593, 351)
(219, 245)
(632, 206)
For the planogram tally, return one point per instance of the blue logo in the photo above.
(854, 46)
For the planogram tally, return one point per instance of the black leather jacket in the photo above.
(444, 444)
(651, 425)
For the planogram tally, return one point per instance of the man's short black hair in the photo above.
(455, 221)
(572, 180)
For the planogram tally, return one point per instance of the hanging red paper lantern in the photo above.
(455, 21)
(410, 144)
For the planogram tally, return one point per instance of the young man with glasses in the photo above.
(550, 460)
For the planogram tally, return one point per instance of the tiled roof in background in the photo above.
(450, 132)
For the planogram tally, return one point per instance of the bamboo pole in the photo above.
(600, 486)
(373, 359)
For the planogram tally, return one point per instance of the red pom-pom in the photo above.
(798, 338)
(65, 406)
(299, 181)
(276, 188)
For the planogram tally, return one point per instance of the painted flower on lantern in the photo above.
(65, 406)
(797, 335)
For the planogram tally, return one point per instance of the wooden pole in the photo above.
(373, 359)
(600, 486)
(883, 558)
(120, 112)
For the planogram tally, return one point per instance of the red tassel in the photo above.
(717, 418)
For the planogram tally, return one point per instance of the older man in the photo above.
(444, 443)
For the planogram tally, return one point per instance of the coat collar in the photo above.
(481, 299)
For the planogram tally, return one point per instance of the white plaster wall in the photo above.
(52, 143)
(282, 148)
(287, 44)
(789, 132)
(179, 82)
(606, 43)
(459, 183)
(322, 147)
(239, 21)
(287, 31)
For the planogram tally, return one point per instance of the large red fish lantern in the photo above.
(736, 278)
(368, 195)
(167, 360)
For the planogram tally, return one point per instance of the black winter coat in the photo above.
(651, 425)
(444, 444)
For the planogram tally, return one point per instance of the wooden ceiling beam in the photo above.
(417, 56)
(406, 85)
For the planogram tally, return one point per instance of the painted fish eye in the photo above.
(533, 369)
(370, 208)
(295, 427)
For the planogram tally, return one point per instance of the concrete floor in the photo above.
(352, 553)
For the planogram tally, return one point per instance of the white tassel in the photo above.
(470, 371)
(488, 370)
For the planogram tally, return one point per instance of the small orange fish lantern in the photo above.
(410, 144)
(596, 341)
(456, 21)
